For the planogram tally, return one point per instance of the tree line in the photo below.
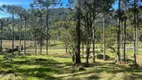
(81, 24)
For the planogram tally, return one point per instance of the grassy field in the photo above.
(58, 66)
(52, 44)
(57, 46)
(30, 44)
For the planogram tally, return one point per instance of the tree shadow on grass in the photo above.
(136, 76)
(7, 65)
(114, 69)
(81, 75)
(94, 77)
(41, 72)
(44, 70)
(47, 67)
(110, 68)
(37, 61)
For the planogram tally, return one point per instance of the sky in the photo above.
(23, 3)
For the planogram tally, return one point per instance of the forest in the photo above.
(77, 40)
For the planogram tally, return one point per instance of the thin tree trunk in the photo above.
(78, 59)
(93, 45)
(25, 24)
(83, 52)
(20, 31)
(121, 39)
(55, 39)
(13, 34)
(87, 56)
(35, 46)
(73, 55)
(66, 49)
(104, 41)
(47, 31)
(118, 34)
(82, 49)
(135, 34)
(124, 55)
(94, 29)
(1, 38)
(40, 46)
(135, 45)
(35, 39)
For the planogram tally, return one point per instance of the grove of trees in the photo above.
(80, 25)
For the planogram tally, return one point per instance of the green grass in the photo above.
(28, 67)
(59, 67)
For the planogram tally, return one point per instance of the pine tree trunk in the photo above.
(40, 39)
(82, 49)
(135, 33)
(66, 49)
(25, 24)
(1, 38)
(20, 32)
(13, 34)
(47, 31)
(87, 56)
(93, 45)
(94, 29)
(124, 55)
(135, 45)
(118, 34)
(35, 39)
(104, 41)
(73, 55)
(35, 46)
(40, 46)
(77, 53)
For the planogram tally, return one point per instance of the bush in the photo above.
(81, 69)
(100, 56)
